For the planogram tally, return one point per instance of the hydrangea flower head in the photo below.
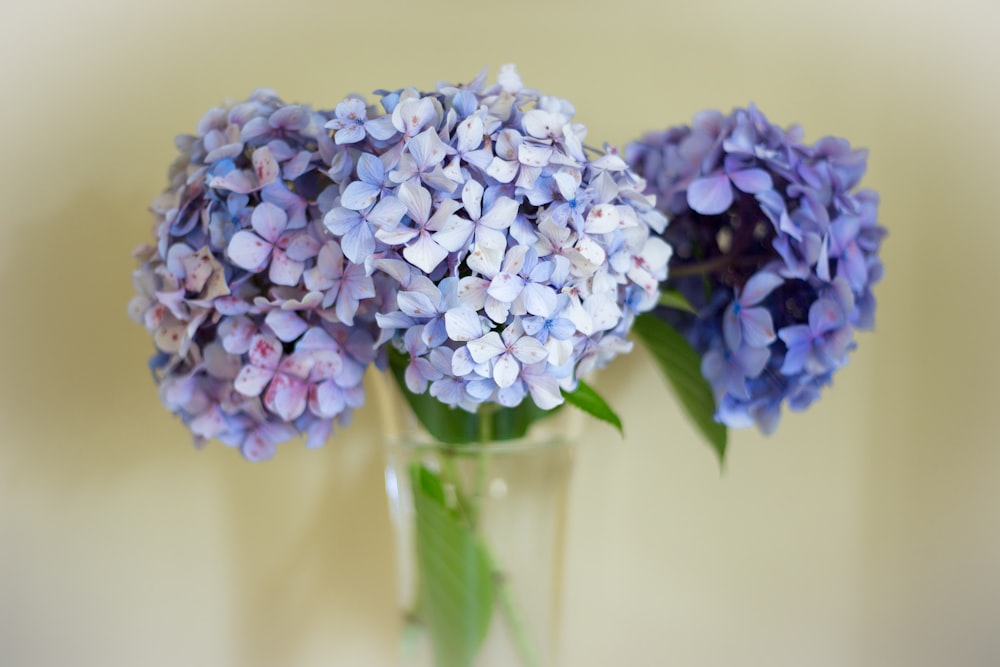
(262, 330)
(774, 245)
(512, 259)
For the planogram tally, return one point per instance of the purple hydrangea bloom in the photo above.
(512, 262)
(775, 247)
(263, 329)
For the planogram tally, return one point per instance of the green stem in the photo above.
(525, 647)
(510, 610)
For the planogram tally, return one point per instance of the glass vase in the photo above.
(479, 529)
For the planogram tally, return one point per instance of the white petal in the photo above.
(461, 362)
(506, 287)
(544, 391)
(472, 199)
(602, 219)
(470, 134)
(454, 235)
(505, 370)
(502, 170)
(539, 299)
(501, 214)
(533, 155)
(472, 292)
(485, 259)
(463, 324)
(568, 181)
(485, 348)
(425, 254)
(427, 149)
(416, 200)
(586, 257)
(415, 304)
(604, 311)
(528, 350)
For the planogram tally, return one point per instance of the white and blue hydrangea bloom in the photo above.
(517, 262)
(775, 247)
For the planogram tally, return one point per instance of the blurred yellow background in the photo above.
(866, 532)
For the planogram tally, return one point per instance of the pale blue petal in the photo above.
(710, 195)
(359, 195)
(463, 324)
(758, 328)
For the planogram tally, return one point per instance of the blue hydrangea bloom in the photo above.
(510, 259)
(774, 245)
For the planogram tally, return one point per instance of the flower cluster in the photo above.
(262, 330)
(776, 249)
(466, 227)
(514, 262)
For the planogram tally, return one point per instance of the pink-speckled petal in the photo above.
(235, 333)
(286, 396)
(252, 380)
(257, 446)
(209, 424)
(285, 271)
(264, 351)
(269, 221)
(265, 166)
(248, 251)
(326, 400)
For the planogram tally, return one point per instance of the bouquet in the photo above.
(474, 248)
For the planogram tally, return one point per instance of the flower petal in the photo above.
(248, 251)
(264, 351)
(463, 324)
(424, 254)
(252, 380)
(506, 370)
(286, 396)
(285, 324)
(752, 181)
(358, 243)
(417, 201)
(359, 195)
(265, 166)
(758, 287)
(710, 195)
(387, 213)
(528, 350)
(758, 328)
(485, 348)
(502, 170)
(269, 221)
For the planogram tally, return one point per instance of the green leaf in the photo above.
(513, 423)
(454, 426)
(674, 299)
(681, 365)
(588, 400)
(456, 579)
